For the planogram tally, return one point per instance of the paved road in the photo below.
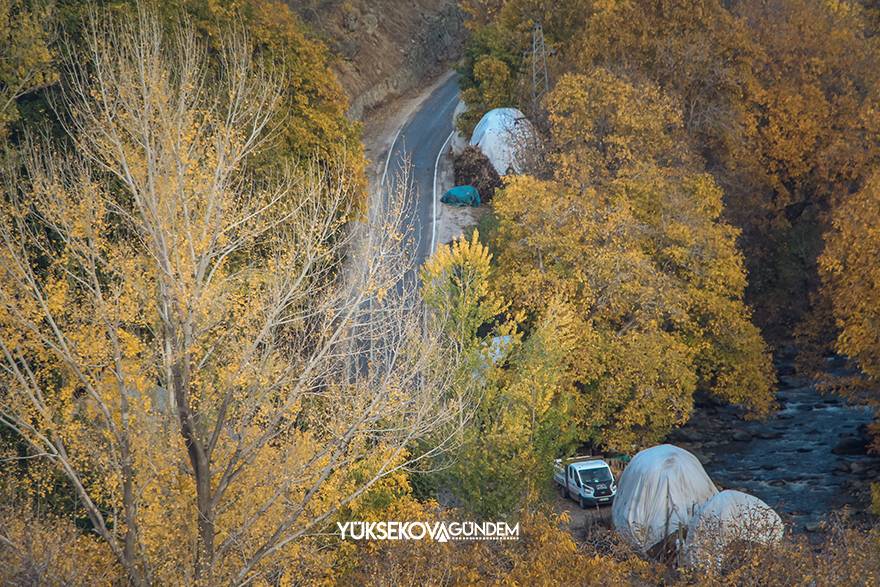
(421, 139)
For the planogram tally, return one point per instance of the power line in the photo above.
(540, 80)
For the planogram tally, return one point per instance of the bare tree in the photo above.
(179, 338)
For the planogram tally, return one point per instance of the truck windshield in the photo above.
(595, 475)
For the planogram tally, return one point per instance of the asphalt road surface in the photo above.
(421, 139)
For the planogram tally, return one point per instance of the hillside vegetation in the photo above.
(737, 142)
(197, 386)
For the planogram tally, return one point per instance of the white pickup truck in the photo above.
(587, 480)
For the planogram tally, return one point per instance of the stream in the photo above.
(807, 460)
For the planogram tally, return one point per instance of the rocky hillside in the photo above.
(385, 47)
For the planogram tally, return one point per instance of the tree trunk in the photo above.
(201, 469)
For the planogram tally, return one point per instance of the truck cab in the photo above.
(587, 480)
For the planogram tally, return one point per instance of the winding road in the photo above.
(423, 139)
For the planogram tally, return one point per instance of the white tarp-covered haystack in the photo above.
(504, 135)
(657, 494)
(728, 517)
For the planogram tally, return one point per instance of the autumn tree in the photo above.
(180, 344)
(455, 280)
(523, 421)
(311, 115)
(310, 119)
(603, 127)
(545, 554)
(522, 388)
(629, 233)
(489, 70)
(491, 86)
(696, 51)
(815, 138)
(817, 133)
(777, 96)
(497, 66)
(851, 282)
(26, 60)
(560, 20)
(48, 549)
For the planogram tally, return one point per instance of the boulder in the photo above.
(850, 445)
(841, 468)
(741, 436)
(857, 468)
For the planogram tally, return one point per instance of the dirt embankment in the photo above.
(385, 47)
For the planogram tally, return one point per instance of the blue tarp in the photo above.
(462, 195)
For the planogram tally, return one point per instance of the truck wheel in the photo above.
(561, 490)
(584, 504)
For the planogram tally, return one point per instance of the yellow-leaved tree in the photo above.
(629, 234)
(182, 349)
(456, 286)
(26, 33)
(522, 385)
(780, 97)
(850, 275)
(851, 281)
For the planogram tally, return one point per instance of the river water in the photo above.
(793, 459)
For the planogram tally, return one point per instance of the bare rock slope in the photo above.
(385, 47)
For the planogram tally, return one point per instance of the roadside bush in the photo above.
(473, 168)
(545, 554)
(848, 556)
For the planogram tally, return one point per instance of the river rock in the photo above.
(857, 468)
(835, 362)
(786, 370)
(858, 485)
(705, 458)
(787, 381)
(777, 483)
(850, 445)
(682, 435)
(741, 436)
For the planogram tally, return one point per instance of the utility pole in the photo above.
(540, 81)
